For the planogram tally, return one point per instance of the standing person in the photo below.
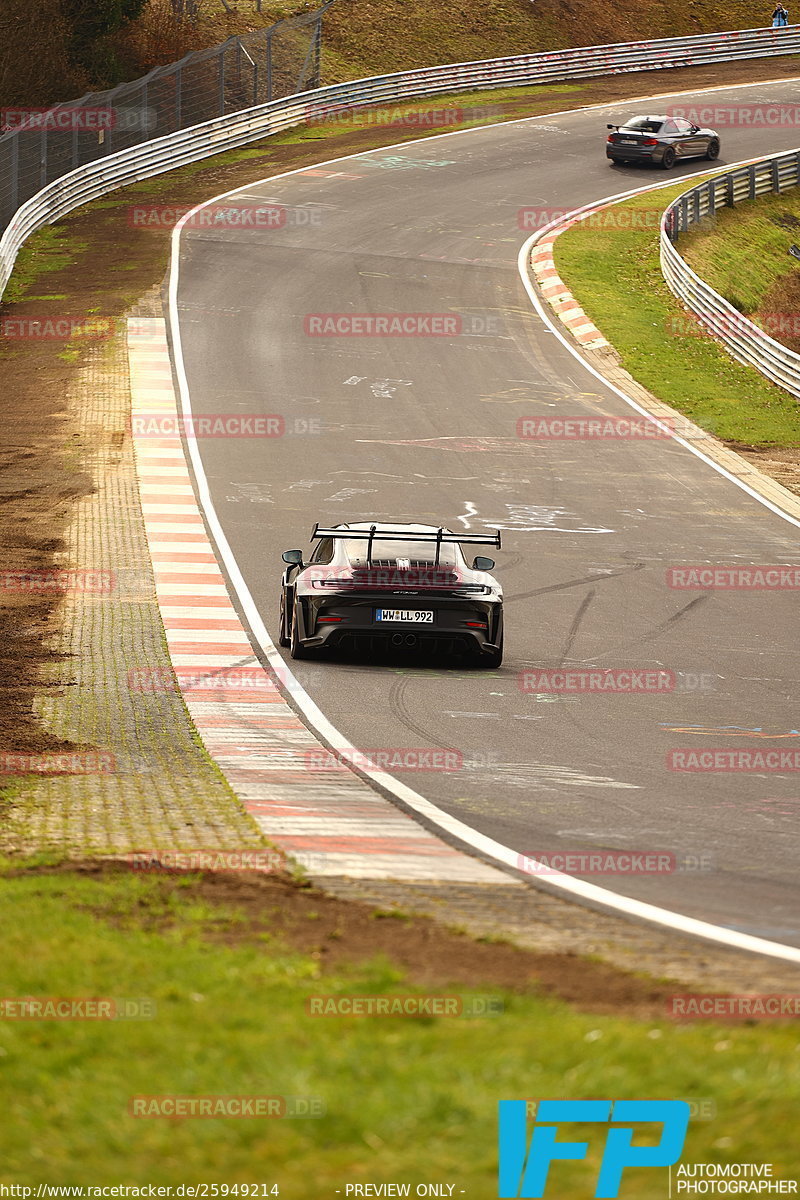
(780, 17)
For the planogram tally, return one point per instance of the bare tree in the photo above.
(186, 9)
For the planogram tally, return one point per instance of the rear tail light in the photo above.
(328, 620)
(650, 142)
(329, 580)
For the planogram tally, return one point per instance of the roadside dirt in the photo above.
(93, 265)
(339, 933)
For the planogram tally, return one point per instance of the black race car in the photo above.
(400, 586)
(660, 140)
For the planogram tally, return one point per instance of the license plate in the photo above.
(629, 141)
(412, 616)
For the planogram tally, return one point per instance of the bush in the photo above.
(35, 65)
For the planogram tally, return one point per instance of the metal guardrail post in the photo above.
(269, 66)
(776, 179)
(145, 114)
(316, 70)
(302, 84)
(43, 159)
(15, 172)
(221, 82)
(179, 97)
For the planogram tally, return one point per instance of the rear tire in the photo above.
(668, 161)
(713, 150)
(296, 648)
(492, 659)
(283, 640)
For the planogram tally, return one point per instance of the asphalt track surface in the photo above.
(425, 429)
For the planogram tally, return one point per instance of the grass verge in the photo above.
(612, 267)
(744, 254)
(405, 1099)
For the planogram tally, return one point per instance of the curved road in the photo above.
(424, 428)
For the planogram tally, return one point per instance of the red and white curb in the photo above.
(558, 295)
(329, 820)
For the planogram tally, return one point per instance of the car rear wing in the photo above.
(408, 535)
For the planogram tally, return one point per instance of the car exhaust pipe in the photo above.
(397, 639)
(411, 639)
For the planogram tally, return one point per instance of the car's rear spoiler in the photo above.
(408, 535)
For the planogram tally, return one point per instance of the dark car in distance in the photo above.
(660, 140)
(401, 586)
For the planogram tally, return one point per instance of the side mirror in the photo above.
(695, 129)
(482, 564)
(293, 557)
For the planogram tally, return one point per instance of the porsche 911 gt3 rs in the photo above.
(399, 586)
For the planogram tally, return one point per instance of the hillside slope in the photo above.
(369, 37)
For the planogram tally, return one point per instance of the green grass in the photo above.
(615, 275)
(51, 249)
(744, 253)
(406, 1099)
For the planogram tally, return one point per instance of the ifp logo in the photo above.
(524, 1171)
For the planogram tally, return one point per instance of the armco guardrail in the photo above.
(744, 340)
(78, 186)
